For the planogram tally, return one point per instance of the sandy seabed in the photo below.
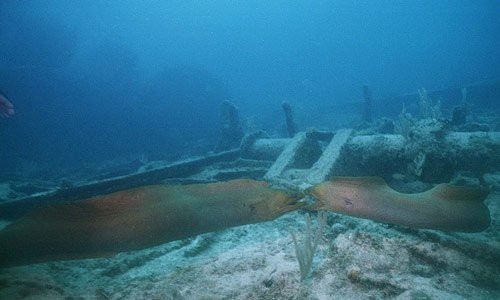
(357, 259)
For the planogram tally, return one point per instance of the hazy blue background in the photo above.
(94, 80)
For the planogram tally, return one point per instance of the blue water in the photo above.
(103, 89)
(92, 80)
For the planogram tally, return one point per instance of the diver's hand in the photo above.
(6, 108)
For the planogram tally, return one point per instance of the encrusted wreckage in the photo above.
(428, 149)
(430, 154)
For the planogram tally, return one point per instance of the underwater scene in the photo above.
(250, 149)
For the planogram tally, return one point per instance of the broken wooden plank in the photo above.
(16, 208)
(266, 149)
(325, 164)
(286, 157)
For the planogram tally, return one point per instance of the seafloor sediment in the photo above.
(357, 259)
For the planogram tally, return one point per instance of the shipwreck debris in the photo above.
(326, 163)
(291, 126)
(286, 157)
(16, 208)
(307, 158)
(231, 130)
